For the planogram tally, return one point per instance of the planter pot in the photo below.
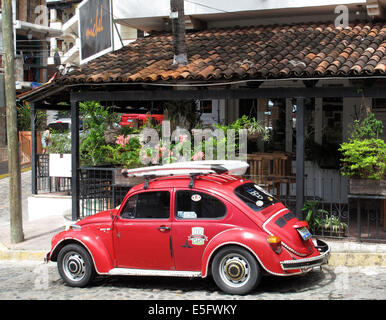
(368, 187)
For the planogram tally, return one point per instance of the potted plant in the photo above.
(364, 158)
(321, 222)
(314, 216)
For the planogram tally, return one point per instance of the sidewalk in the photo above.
(38, 234)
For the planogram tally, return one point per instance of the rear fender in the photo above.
(252, 240)
(101, 257)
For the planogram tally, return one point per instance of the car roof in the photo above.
(221, 183)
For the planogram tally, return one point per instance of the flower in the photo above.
(122, 140)
(198, 156)
(183, 138)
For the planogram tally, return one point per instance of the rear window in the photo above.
(254, 196)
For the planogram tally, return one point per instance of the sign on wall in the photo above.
(95, 29)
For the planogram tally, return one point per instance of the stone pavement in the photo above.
(38, 234)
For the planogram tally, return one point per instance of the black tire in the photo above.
(75, 265)
(235, 270)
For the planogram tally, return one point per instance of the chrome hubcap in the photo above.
(74, 266)
(234, 270)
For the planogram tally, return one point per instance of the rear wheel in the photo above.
(75, 265)
(235, 270)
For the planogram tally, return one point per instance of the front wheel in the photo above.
(235, 270)
(75, 265)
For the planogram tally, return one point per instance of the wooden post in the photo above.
(15, 208)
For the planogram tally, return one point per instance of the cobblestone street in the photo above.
(35, 280)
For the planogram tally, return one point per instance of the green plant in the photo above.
(314, 216)
(183, 113)
(24, 118)
(254, 127)
(364, 159)
(123, 153)
(368, 128)
(320, 219)
(60, 142)
(364, 155)
(333, 223)
(97, 119)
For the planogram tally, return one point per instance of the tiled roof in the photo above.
(243, 53)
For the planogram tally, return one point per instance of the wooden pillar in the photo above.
(299, 157)
(34, 188)
(75, 159)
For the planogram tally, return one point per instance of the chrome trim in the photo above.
(147, 272)
(308, 263)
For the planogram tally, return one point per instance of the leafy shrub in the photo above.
(364, 158)
(364, 155)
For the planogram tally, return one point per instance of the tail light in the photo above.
(275, 243)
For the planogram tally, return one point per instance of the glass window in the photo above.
(191, 204)
(254, 196)
(147, 205)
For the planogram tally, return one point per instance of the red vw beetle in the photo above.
(192, 225)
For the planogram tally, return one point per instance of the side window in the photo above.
(147, 205)
(197, 205)
(128, 211)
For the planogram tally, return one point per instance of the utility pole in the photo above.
(15, 208)
(178, 28)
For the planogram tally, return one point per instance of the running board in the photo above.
(146, 272)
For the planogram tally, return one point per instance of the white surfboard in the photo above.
(232, 167)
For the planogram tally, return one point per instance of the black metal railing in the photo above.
(45, 183)
(99, 190)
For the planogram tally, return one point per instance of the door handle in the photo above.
(163, 228)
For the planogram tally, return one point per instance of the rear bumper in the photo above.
(308, 263)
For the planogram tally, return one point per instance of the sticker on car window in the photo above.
(186, 215)
(196, 197)
(259, 203)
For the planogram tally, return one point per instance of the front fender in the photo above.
(254, 241)
(100, 255)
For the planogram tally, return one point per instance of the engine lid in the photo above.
(293, 233)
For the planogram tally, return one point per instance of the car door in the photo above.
(198, 217)
(142, 231)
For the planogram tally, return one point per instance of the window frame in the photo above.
(141, 218)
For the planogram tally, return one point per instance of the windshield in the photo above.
(254, 196)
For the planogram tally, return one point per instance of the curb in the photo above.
(357, 259)
(22, 255)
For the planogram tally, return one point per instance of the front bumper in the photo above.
(308, 263)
